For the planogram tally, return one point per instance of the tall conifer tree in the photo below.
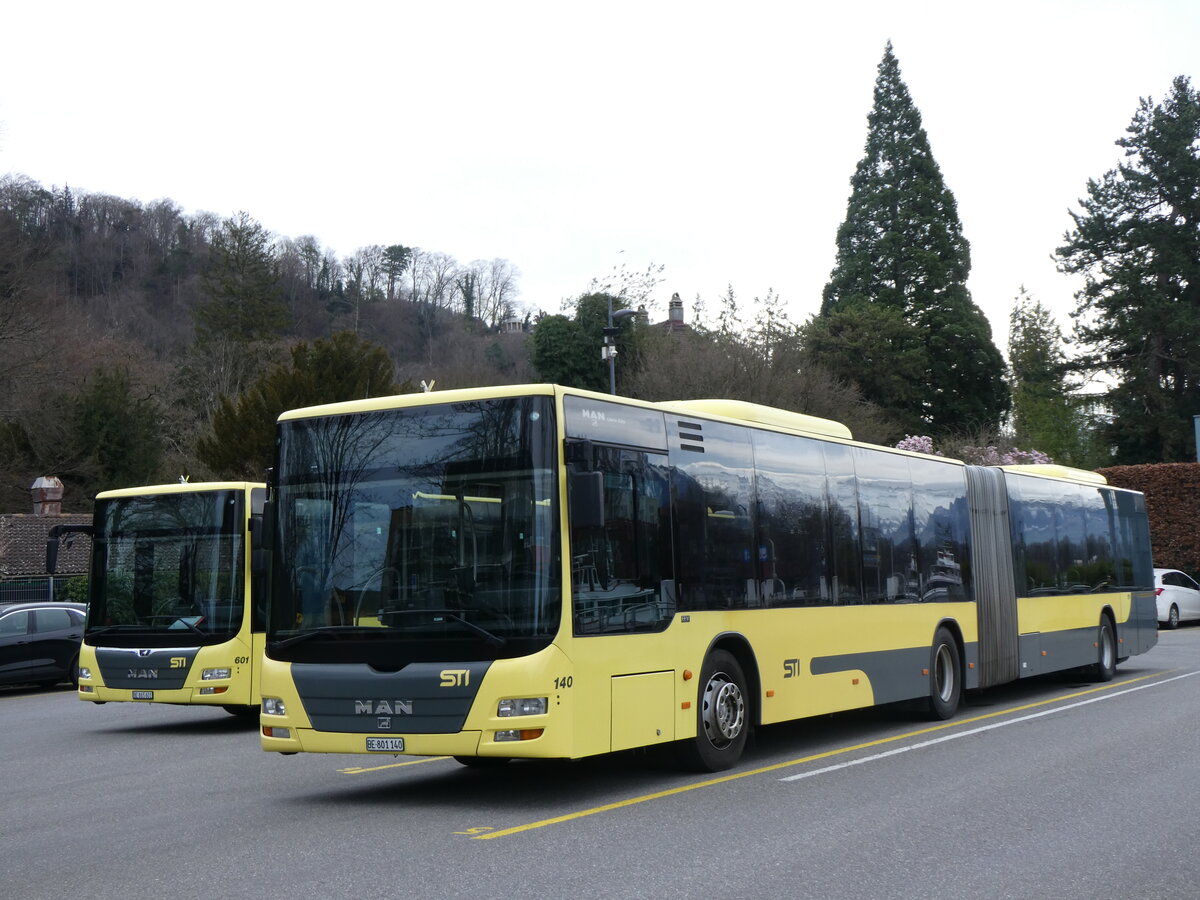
(1047, 415)
(1137, 244)
(244, 297)
(900, 278)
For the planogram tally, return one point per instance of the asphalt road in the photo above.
(1050, 787)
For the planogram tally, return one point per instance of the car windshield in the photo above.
(168, 564)
(416, 533)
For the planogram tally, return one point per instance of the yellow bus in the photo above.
(170, 614)
(538, 571)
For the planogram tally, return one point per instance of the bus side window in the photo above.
(715, 552)
(620, 539)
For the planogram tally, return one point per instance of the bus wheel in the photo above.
(722, 716)
(242, 712)
(945, 676)
(1105, 666)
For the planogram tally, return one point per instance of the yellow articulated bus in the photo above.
(170, 613)
(538, 571)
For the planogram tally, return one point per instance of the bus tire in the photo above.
(722, 716)
(945, 676)
(1105, 666)
(242, 712)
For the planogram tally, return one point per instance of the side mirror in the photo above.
(585, 499)
(262, 534)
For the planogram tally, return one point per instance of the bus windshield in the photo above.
(416, 533)
(168, 564)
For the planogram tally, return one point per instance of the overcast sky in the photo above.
(716, 140)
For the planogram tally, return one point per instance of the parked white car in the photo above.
(1177, 595)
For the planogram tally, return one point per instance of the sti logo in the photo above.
(455, 677)
(791, 668)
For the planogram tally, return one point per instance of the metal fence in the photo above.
(34, 590)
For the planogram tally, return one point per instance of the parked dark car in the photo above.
(39, 642)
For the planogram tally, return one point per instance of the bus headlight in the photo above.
(525, 706)
(523, 734)
(85, 674)
(210, 674)
(273, 706)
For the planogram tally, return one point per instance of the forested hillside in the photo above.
(123, 324)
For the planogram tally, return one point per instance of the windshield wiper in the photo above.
(104, 629)
(440, 615)
(333, 631)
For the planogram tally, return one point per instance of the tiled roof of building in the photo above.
(23, 545)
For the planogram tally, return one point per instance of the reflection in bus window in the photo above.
(620, 569)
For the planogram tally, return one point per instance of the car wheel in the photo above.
(73, 671)
(1173, 617)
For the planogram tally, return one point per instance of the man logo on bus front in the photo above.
(383, 707)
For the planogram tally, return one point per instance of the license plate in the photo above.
(143, 695)
(387, 745)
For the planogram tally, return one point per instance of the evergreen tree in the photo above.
(396, 258)
(1047, 414)
(116, 433)
(1137, 244)
(567, 350)
(242, 442)
(563, 354)
(244, 297)
(902, 262)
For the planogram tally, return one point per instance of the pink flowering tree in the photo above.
(987, 455)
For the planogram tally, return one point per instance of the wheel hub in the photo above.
(724, 712)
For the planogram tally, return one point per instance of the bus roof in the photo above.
(398, 401)
(736, 410)
(191, 487)
(1053, 470)
(762, 415)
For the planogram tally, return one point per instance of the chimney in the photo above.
(675, 311)
(47, 496)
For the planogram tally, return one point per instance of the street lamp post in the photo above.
(609, 350)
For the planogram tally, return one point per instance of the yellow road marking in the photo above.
(658, 795)
(358, 770)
